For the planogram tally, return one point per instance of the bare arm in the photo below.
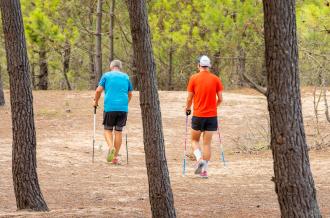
(189, 100)
(98, 93)
(219, 94)
(130, 94)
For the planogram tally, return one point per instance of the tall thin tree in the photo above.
(293, 179)
(160, 191)
(91, 47)
(27, 191)
(170, 66)
(66, 63)
(111, 29)
(2, 96)
(43, 67)
(98, 45)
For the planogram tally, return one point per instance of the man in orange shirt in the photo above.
(205, 93)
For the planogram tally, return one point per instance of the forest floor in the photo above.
(74, 187)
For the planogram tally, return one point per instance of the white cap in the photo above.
(205, 61)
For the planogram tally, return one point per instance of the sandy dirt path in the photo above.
(74, 187)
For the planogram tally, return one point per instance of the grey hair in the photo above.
(116, 63)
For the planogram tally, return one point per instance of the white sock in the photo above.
(206, 165)
(198, 154)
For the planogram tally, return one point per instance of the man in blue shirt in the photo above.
(117, 94)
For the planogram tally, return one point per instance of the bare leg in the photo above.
(108, 138)
(207, 138)
(118, 141)
(195, 137)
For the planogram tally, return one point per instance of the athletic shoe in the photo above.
(116, 161)
(110, 155)
(203, 175)
(200, 165)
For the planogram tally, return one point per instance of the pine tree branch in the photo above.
(255, 86)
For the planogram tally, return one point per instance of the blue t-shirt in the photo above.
(116, 86)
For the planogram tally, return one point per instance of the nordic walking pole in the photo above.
(126, 149)
(185, 144)
(94, 132)
(222, 154)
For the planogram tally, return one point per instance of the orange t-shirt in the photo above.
(205, 87)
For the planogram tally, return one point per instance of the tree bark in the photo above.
(170, 67)
(111, 28)
(160, 192)
(98, 49)
(92, 84)
(66, 63)
(33, 74)
(134, 77)
(27, 191)
(240, 66)
(43, 69)
(326, 106)
(2, 96)
(216, 63)
(293, 179)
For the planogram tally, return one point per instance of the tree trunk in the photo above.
(160, 192)
(170, 67)
(33, 74)
(240, 66)
(326, 106)
(134, 77)
(216, 63)
(293, 179)
(27, 191)
(2, 96)
(66, 63)
(43, 69)
(98, 49)
(92, 84)
(111, 26)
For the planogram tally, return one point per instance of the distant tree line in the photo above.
(72, 42)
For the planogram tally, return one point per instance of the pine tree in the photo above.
(160, 191)
(27, 191)
(293, 179)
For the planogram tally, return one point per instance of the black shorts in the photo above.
(115, 119)
(204, 123)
